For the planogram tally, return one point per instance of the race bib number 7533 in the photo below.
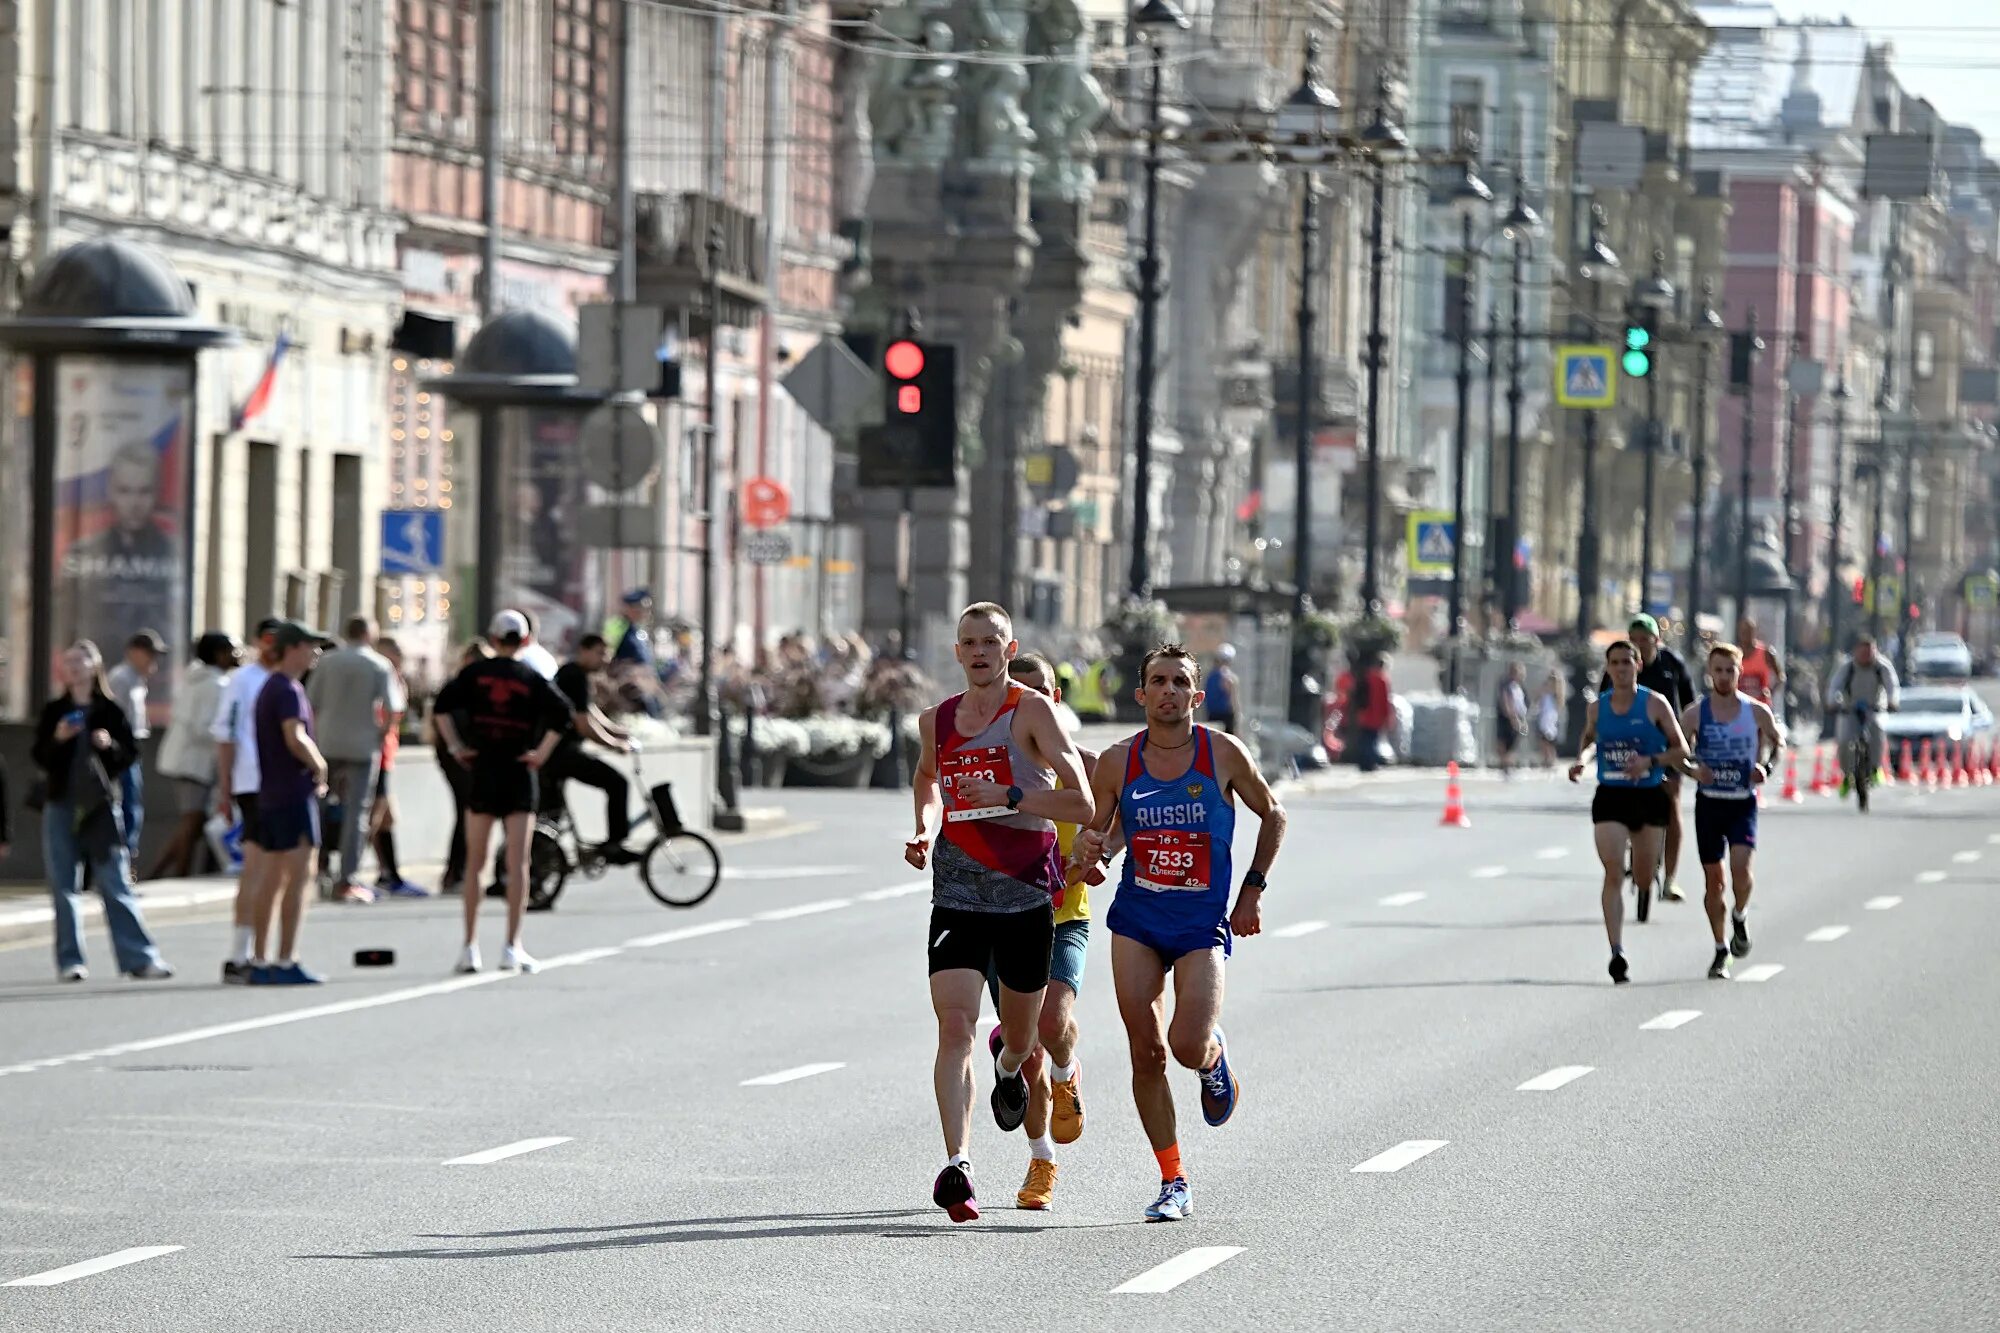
(988, 764)
(1170, 861)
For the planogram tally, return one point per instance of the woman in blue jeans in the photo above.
(83, 744)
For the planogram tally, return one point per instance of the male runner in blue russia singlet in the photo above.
(1173, 789)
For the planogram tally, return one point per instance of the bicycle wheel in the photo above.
(548, 870)
(1644, 901)
(681, 869)
(1864, 776)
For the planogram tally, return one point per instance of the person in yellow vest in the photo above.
(1055, 1096)
(1093, 692)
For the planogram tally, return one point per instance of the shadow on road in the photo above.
(1598, 984)
(1472, 925)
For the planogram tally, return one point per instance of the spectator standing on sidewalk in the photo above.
(533, 654)
(1220, 689)
(293, 774)
(354, 695)
(460, 781)
(1510, 716)
(128, 683)
(239, 780)
(1374, 711)
(1548, 717)
(187, 755)
(83, 744)
(382, 823)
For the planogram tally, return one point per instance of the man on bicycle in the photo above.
(1860, 688)
(572, 763)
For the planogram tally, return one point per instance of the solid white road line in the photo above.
(1965, 858)
(804, 909)
(1298, 928)
(1401, 899)
(787, 872)
(1760, 972)
(1670, 1020)
(1993, 839)
(1180, 1268)
(1826, 934)
(789, 1075)
(1931, 877)
(1489, 872)
(895, 891)
(1552, 853)
(1884, 903)
(582, 956)
(101, 1264)
(1400, 1156)
(1555, 1078)
(502, 1153)
(687, 933)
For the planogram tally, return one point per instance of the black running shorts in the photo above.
(1016, 945)
(246, 817)
(501, 787)
(1634, 807)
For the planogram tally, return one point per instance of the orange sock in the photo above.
(1170, 1162)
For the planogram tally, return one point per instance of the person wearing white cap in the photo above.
(506, 716)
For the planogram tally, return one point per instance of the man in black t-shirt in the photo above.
(572, 763)
(1663, 672)
(501, 721)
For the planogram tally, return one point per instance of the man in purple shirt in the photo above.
(293, 774)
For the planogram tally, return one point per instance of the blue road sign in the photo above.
(412, 541)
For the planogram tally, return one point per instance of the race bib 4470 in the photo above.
(1170, 861)
(988, 764)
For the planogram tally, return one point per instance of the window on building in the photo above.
(1468, 111)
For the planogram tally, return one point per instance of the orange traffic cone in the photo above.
(1819, 785)
(1994, 770)
(1791, 792)
(1962, 775)
(1454, 800)
(1905, 773)
(1982, 770)
(1834, 776)
(1926, 765)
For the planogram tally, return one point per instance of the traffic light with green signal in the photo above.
(1638, 357)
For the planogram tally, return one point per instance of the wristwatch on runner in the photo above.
(1014, 795)
(1253, 879)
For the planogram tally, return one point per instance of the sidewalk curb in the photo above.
(160, 900)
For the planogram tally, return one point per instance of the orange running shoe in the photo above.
(1040, 1186)
(1066, 1109)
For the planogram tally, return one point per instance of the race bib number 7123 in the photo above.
(989, 764)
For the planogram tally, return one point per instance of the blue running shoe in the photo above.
(1175, 1202)
(1218, 1086)
(263, 974)
(293, 974)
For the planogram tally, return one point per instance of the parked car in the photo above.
(1940, 655)
(1938, 713)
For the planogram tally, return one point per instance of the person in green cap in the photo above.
(1662, 671)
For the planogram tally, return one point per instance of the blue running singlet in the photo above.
(1730, 751)
(1174, 893)
(1621, 736)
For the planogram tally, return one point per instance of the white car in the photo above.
(1940, 656)
(1939, 713)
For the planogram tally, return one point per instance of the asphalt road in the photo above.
(1812, 1150)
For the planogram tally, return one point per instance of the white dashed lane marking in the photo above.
(1930, 877)
(1400, 1156)
(1298, 928)
(895, 891)
(1552, 853)
(687, 933)
(1671, 1019)
(1179, 1269)
(1403, 899)
(503, 1152)
(1489, 872)
(805, 909)
(1884, 903)
(790, 1075)
(1826, 934)
(89, 1267)
(1965, 858)
(1760, 972)
(1555, 1078)
(787, 872)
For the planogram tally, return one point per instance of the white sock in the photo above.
(1000, 1062)
(1736, 916)
(1061, 1073)
(1042, 1149)
(961, 1161)
(246, 940)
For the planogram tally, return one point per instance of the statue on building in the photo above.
(910, 102)
(1002, 138)
(1065, 106)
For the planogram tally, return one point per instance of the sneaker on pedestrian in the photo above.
(402, 888)
(1038, 1190)
(74, 972)
(1218, 1086)
(1176, 1202)
(235, 973)
(356, 893)
(1066, 1106)
(952, 1191)
(1010, 1097)
(516, 959)
(151, 972)
(468, 959)
(294, 974)
(261, 974)
(1620, 973)
(1739, 938)
(1670, 892)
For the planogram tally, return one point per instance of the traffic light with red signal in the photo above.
(917, 443)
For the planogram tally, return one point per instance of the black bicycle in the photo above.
(678, 866)
(1643, 902)
(1861, 759)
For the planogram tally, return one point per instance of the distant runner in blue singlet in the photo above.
(1173, 790)
(1736, 740)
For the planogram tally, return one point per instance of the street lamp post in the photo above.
(1833, 588)
(1521, 227)
(1381, 141)
(1469, 197)
(1154, 18)
(1707, 327)
(1755, 344)
(1310, 118)
(1652, 297)
(1597, 257)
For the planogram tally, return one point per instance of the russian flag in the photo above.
(267, 383)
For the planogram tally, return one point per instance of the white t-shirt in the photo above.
(236, 722)
(538, 659)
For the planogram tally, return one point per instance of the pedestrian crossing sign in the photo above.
(1431, 538)
(1584, 378)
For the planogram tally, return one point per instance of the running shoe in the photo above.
(1066, 1109)
(1718, 970)
(293, 974)
(74, 972)
(1175, 1202)
(1739, 938)
(356, 893)
(1038, 1190)
(1218, 1088)
(468, 959)
(261, 973)
(1010, 1097)
(1618, 969)
(1670, 892)
(516, 959)
(953, 1193)
(235, 973)
(151, 972)
(402, 888)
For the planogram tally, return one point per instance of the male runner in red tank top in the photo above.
(999, 768)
